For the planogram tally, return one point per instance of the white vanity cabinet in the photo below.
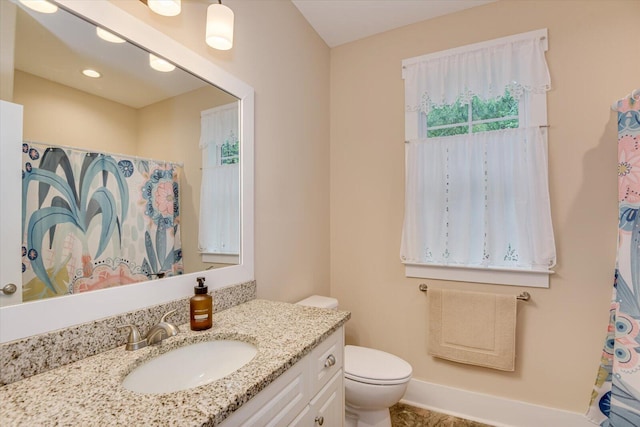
(310, 393)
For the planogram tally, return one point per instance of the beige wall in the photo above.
(593, 60)
(58, 114)
(283, 59)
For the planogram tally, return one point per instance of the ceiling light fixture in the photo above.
(91, 73)
(160, 64)
(42, 6)
(165, 7)
(219, 33)
(107, 36)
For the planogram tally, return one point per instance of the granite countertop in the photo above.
(89, 392)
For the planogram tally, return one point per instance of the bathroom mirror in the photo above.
(196, 85)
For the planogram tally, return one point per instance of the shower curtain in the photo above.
(615, 400)
(94, 220)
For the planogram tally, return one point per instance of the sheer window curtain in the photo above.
(478, 200)
(219, 228)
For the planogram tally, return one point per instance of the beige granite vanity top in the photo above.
(89, 392)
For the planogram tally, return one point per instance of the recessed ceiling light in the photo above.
(91, 73)
(160, 64)
(42, 6)
(107, 36)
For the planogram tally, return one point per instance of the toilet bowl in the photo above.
(373, 380)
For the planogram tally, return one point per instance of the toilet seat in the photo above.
(370, 366)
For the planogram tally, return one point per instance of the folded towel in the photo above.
(473, 328)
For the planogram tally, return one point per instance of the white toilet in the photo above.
(373, 380)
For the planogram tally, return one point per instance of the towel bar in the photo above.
(524, 296)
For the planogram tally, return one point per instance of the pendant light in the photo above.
(108, 36)
(165, 7)
(41, 6)
(160, 64)
(219, 33)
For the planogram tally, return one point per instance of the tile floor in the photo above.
(408, 416)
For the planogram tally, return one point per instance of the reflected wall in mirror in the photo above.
(106, 160)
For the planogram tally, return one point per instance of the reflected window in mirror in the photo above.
(219, 229)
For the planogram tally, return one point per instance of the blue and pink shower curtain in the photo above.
(94, 220)
(615, 400)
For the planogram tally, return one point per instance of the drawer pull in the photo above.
(320, 420)
(331, 360)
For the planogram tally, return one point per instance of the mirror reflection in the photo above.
(130, 170)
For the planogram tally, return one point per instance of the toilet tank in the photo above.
(320, 301)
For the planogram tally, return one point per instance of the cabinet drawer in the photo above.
(327, 407)
(277, 404)
(326, 360)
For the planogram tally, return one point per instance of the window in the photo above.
(229, 150)
(476, 199)
(476, 116)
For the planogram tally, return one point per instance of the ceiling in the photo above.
(59, 45)
(343, 21)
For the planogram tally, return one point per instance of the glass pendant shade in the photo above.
(165, 7)
(108, 36)
(160, 64)
(42, 6)
(219, 27)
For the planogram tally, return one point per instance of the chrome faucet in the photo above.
(160, 331)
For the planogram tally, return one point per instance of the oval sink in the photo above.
(190, 366)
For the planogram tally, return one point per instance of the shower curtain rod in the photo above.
(86, 150)
(524, 296)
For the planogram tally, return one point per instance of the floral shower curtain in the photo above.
(615, 400)
(94, 220)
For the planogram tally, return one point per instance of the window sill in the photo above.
(497, 276)
(220, 258)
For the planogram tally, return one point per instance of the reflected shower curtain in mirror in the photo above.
(615, 400)
(94, 220)
(219, 229)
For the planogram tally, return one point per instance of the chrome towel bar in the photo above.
(524, 296)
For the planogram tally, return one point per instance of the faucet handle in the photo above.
(167, 314)
(135, 340)
(170, 327)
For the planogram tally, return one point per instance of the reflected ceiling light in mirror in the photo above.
(42, 6)
(107, 36)
(91, 73)
(160, 64)
(165, 7)
(219, 33)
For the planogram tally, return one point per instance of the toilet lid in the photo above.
(370, 366)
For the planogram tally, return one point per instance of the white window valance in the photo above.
(217, 124)
(487, 70)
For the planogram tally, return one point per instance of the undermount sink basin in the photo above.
(190, 366)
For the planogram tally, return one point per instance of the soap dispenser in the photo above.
(201, 307)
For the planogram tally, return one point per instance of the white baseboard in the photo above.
(487, 409)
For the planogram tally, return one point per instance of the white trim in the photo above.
(541, 34)
(220, 258)
(22, 320)
(498, 276)
(484, 408)
(11, 184)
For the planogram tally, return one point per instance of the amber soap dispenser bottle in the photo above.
(201, 307)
